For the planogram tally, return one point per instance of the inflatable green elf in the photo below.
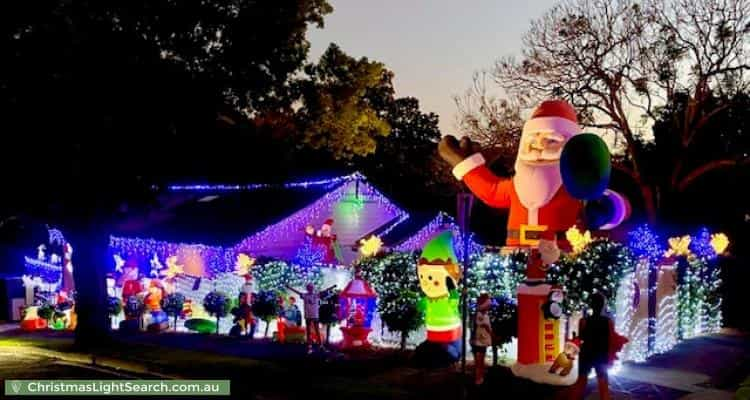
(439, 274)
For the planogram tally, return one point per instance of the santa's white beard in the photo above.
(536, 184)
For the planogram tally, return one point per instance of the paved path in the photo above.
(708, 367)
(8, 326)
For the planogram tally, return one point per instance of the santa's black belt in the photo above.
(532, 235)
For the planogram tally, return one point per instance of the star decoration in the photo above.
(173, 269)
(370, 246)
(156, 265)
(243, 264)
(119, 262)
(577, 239)
(679, 246)
(719, 242)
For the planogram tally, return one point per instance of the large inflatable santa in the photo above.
(535, 195)
(541, 210)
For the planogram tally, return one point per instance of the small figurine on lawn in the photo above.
(154, 296)
(131, 285)
(242, 268)
(243, 318)
(564, 361)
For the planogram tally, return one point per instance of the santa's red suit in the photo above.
(535, 196)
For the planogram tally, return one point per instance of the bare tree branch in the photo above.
(708, 167)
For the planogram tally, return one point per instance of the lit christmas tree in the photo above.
(277, 275)
(699, 284)
(495, 274)
(394, 278)
(599, 268)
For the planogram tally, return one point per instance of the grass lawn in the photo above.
(380, 374)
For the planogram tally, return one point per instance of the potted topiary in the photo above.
(173, 305)
(133, 309)
(114, 308)
(266, 307)
(217, 304)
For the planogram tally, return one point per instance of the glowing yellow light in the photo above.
(243, 264)
(370, 246)
(578, 240)
(678, 246)
(173, 269)
(719, 242)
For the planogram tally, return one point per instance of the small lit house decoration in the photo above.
(357, 304)
(48, 283)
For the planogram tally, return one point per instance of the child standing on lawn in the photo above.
(311, 300)
(600, 344)
(482, 336)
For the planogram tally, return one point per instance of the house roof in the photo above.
(218, 218)
(270, 219)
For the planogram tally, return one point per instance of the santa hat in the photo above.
(439, 251)
(484, 297)
(553, 115)
(328, 222)
(575, 342)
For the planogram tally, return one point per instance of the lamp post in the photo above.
(464, 202)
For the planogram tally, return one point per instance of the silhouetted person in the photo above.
(595, 348)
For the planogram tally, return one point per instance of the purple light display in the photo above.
(294, 224)
(258, 186)
(216, 259)
(49, 273)
(441, 222)
(213, 259)
(56, 236)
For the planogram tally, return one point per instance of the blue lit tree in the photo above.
(644, 243)
(309, 255)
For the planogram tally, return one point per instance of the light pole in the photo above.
(464, 202)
